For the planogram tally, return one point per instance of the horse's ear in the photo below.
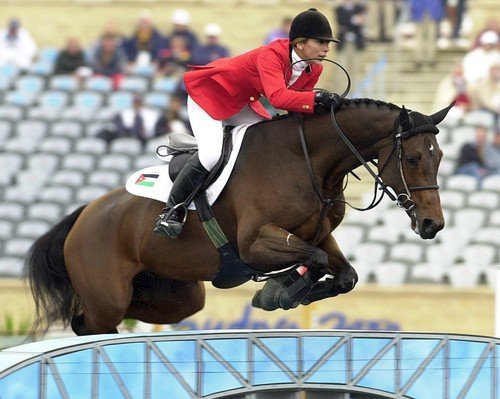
(440, 115)
(404, 119)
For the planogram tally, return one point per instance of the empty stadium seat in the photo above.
(407, 252)
(396, 218)
(444, 254)
(11, 266)
(17, 246)
(69, 177)
(348, 236)
(464, 183)
(126, 145)
(494, 218)
(32, 129)
(119, 162)
(165, 84)
(11, 210)
(157, 99)
(11, 162)
(137, 84)
(92, 145)
(44, 161)
(369, 252)
(18, 97)
(491, 183)
(428, 272)
(79, 161)
(88, 100)
(488, 235)
(145, 160)
(90, 192)
(390, 273)
(70, 129)
(471, 218)
(479, 254)
(120, 100)
(6, 229)
(63, 82)
(30, 83)
(12, 112)
(57, 145)
(56, 193)
(99, 83)
(53, 100)
(49, 211)
(483, 199)
(452, 199)
(385, 233)
(32, 228)
(464, 275)
(22, 145)
(107, 178)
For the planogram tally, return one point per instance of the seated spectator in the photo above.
(181, 20)
(143, 46)
(138, 121)
(481, 157)
(454, 88)
(485, 93)
(70, 58)
(491, 24)
(477, 62)
(281, 32)
(212, 50)
(17, 46)
(109, 59)
(174, 119)
(350, 17)
(173, 61)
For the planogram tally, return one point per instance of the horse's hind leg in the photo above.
(159, 300)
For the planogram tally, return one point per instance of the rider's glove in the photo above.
(327, 100)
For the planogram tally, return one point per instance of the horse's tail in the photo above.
(48, 278)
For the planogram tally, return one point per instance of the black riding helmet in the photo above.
(311, 24)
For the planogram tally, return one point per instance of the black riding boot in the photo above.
(173, 216)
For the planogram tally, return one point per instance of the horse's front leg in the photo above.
(274, 248)
(344, 276)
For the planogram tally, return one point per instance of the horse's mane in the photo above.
(346, 102)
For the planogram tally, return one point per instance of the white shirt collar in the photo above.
(298, 66)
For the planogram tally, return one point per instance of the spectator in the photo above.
(383, 15)
(456, 13)
(143, 46)
(350, 17)
(138, 122)
(17, 46)
(454, 88)
(109, 59)
(492, 24)
(181, 20)
(173, 61)
(70, 58)
(281, 32)
(486, 93)
(426, 15)
(212, 50)
(477, 62)
(174, 119)
(479, 158)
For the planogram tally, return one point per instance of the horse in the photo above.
(103, 263)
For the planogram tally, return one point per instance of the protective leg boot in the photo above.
(187, 183)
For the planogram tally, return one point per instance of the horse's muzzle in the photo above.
(429, 228)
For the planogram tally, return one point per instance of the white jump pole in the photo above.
(497, 302)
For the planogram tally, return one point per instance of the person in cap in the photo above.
(17, 46)
(181, 19)
(477, 62)
(212, 49)
(227, 91)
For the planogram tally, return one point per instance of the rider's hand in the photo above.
(327, 100)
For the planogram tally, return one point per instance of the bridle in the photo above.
(403, 199)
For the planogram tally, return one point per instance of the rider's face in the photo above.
(313, 48)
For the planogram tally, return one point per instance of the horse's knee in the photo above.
(318, 260)
(345, 278)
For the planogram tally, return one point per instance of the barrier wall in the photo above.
(276, 363)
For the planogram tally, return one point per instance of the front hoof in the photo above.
(346, 280)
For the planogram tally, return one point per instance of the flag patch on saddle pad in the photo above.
(147, 179)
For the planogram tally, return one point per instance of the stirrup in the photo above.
(170, 228)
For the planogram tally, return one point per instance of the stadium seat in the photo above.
(22, 193)
(48, 54)
(79, 161)
(119, 162)
(6, 129)
(44, 161)
(137, 84)
(11, 210)
(6, 229)
(32, 128)
(407, 252)
(369, 252)
(483, 199)
(491, 183)
(9, 71)
(348, 236)
(17, 246)
(92, 129)
(427, 272)
(464, 275)
(126, 145)
(92, 145)
(488, 235)
(30, 83)
(67, 128)
(452, 199)
(69, 177)
(471, 218)
(390, 273)
(478, 117)
(463, 183)
(56, 193)
(87, 193)
(99, 83)
(11, 266)
(386, 234)
(53, 100)
(11, 162)
(56, 145)
(479, 254)
(17, 97)
(440, 253)
(41, 67)
(120, 100)
(88, 101)
(165, 84)
(145, 160)
(22, 145)
(49, 211)
(32, 228)
(63, 82)
(107, 178)
(12, 112)
(446, 167)
(494, 218)
(454, 237)
(368, 218)
(396, 218)
(157, 100)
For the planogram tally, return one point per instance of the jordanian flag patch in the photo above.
(147, 179)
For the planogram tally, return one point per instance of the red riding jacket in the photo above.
(225, 86)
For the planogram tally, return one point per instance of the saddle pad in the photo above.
(154, 181)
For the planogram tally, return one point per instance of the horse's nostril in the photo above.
(428, 224)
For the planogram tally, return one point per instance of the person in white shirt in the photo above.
(478, 62)
(17, 46)
(138, 121)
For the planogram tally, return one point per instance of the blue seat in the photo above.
(157, 99)
(42, 68)
(53, 99)
(63, 82)
(9, 71)
(30, 83)
(120, 100)
(99, 83)
(166, 84)
(18, 97)
(137, 84)
(88, 100)
(48, 54)
(13, 112)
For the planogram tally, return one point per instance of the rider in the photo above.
(227, 91)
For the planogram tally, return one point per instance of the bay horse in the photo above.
(103, 263)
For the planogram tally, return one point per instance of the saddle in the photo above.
(181, 147)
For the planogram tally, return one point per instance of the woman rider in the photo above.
(243, 79)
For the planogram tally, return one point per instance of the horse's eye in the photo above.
(412, 161)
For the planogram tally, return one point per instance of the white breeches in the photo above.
(209, 132)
